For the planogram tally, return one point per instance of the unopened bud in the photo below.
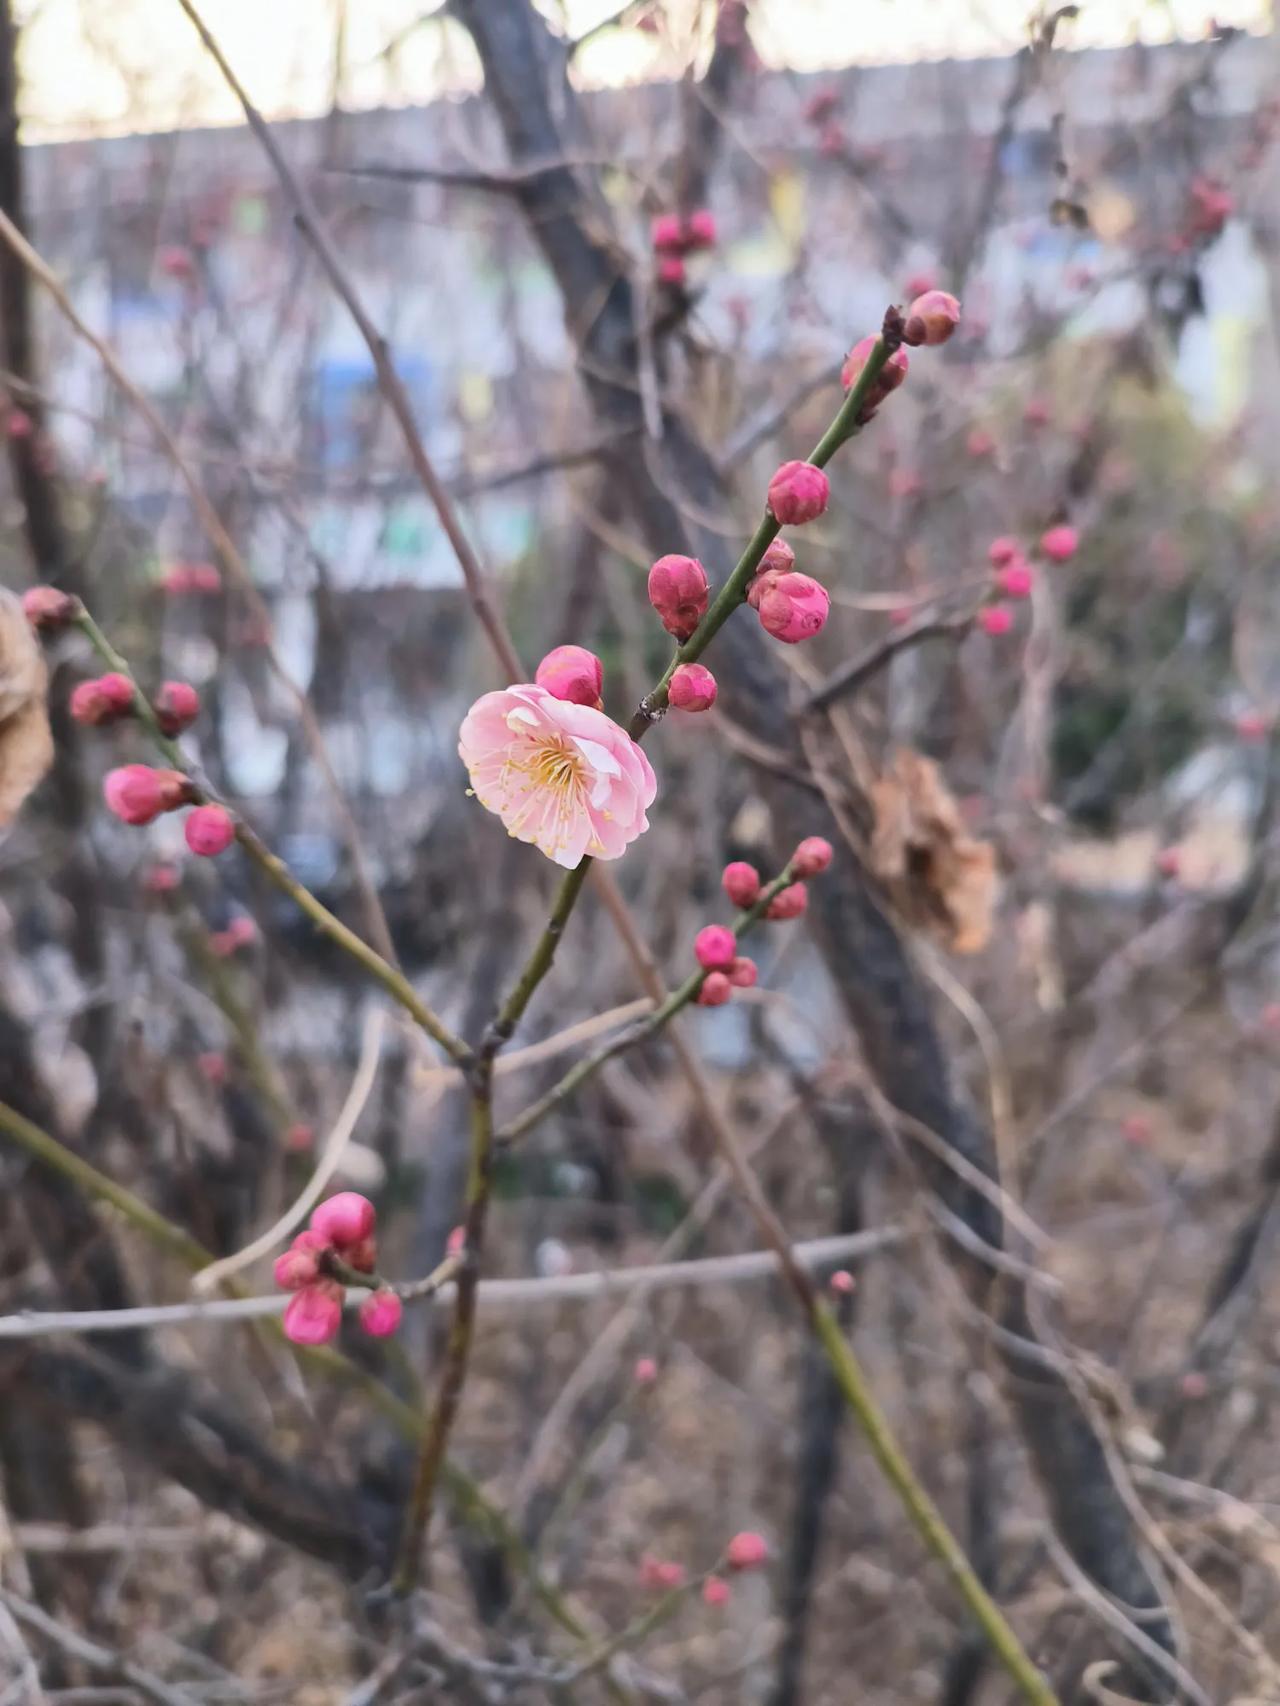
(692, 688)
(798, 493)
(679, 592)
(572, 673)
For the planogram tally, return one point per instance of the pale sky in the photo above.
(122, 65)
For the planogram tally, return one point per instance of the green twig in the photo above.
(274, 868)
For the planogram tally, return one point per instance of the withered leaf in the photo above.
(940, 878)
(26, 745)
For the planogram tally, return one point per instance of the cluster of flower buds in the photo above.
(191, 577)
(342, 1231)
(791, 606)
(138, 794)
(716, 947)
(674, 236)
(105, 699)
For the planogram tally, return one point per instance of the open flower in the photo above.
(562, 776)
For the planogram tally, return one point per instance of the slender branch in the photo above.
(496, 1294)
(474, 1505)
(273, 867)
(858, 671)
(228, 555)
(638, 1032)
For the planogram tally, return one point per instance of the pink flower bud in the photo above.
(1136, 1129)
(798, 493)
(160, 879)
(345, 1219)
(746, 1551)
(743, 973)
(741, 882)
(1169, 862)
(176, 262)
(715, 1591)
(456, 1242)
(300, 1263)
(1059, 543)
(665, 232)
(209, 830)
(842, 1282)
(47, 609)
(812, 857)
(299, 1139)
(1037, 412)
(716, 990)
(177, 579)
(995, 619)
(135, 793)
(177, 705)
(1016, 580)
(700, 232)
(671, 270)
(778, 558)
(715, 947)
(572, 673)
(380, 1314)
(678, 591)
(979, 444)
(789, 903)
(205, 577)
(18, 424)
(890, 376)
(931, 318)
(314, 1314)
(212, 1067)
(242, 931)
(645, 1372)
(1003, 551)
(1253, 726)
(832, 141)
(692, 688)
(660, 1573)
(105, 699)
(918, 283)
(791, 607)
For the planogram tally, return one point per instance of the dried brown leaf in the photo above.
(26, 745)
(941, 878)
